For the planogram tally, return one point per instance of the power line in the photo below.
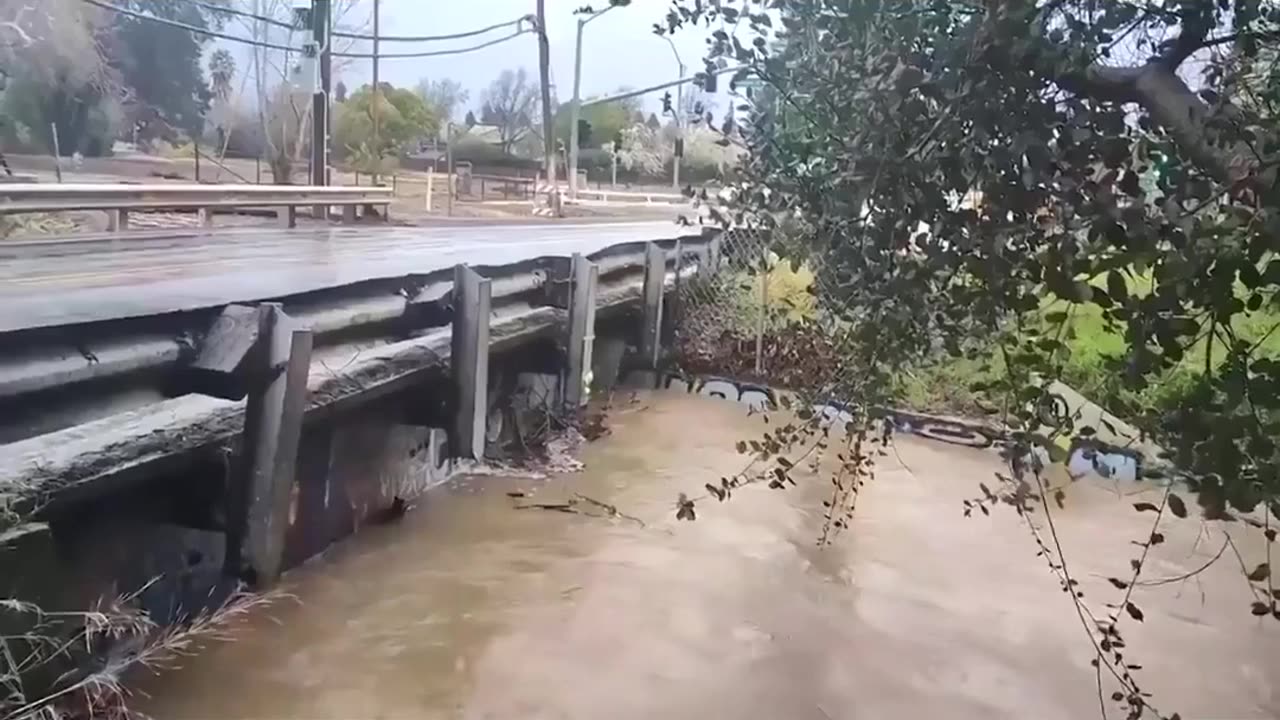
(652, 88)
(359, 36)
(286, 48)
(433, 38)
(189, 28)
(242, 13)
(434, 53)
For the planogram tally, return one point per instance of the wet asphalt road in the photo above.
(59, 282)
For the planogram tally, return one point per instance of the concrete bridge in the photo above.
(213, 408)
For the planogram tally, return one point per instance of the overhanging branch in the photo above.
(1195, 31)
(1155, 87)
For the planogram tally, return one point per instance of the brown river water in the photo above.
(469, 608)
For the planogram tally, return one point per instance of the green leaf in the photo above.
(1176, 506)
(1260, 608)
(1134, 611)
(1116, 286)
(1260, 573)
(1145, 507)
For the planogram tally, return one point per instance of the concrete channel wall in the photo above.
(200, 450)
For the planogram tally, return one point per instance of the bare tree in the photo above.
(510, 104)
(284, 115)
(443, 96)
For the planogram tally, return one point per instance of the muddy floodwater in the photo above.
(469, 608)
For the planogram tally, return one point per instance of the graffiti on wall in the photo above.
(1084, 457)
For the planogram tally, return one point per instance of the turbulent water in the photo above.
(471, 608)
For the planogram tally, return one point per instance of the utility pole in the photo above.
(377, 97)
(259, 35)
(548, 139)
(320, 11)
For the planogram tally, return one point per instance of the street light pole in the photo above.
(377, 100)
(675, 158)
(576, 103)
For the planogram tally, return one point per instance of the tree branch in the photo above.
(1195, 31)
(1155, 86)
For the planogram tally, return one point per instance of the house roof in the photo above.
(483, 133)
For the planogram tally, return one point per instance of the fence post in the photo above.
(57, 152)
(118, 220)
(582, 330)
(430, 177)
(472, 297)
(655, 271)
(272, 427)
(713, 254)
(764, 309)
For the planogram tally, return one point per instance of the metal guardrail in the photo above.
(630, 196)
(406, 329)
(122, 199)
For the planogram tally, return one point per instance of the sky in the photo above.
(619, 49)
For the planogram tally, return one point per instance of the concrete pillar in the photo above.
(320, 212)
(582, 330)
(287, 217)
(348, 214)
(204, 217)
(655, 275)
(472, 298)
(117, 220)
(272, 426)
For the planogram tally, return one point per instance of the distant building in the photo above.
(480, 132)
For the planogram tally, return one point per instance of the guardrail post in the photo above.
(287, 216)
(272, 426)
(320, 212)
(204, 217)
(348, 213)
(655, 272)
(582, 330)
(677, 297)
(117, 220)
(472, 299)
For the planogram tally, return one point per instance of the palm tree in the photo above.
(222, 69)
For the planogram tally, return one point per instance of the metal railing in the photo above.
(123, 199)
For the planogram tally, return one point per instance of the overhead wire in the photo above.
(433, 53)
(189, 28)
(360, 36)
(286, 48)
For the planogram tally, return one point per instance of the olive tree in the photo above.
(995, 169)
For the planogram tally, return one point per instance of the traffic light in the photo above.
(584, 134)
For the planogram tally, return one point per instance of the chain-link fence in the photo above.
(756, 314)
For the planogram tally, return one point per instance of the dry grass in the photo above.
(107, 642)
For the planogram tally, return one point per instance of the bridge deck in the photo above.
(66, 281)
